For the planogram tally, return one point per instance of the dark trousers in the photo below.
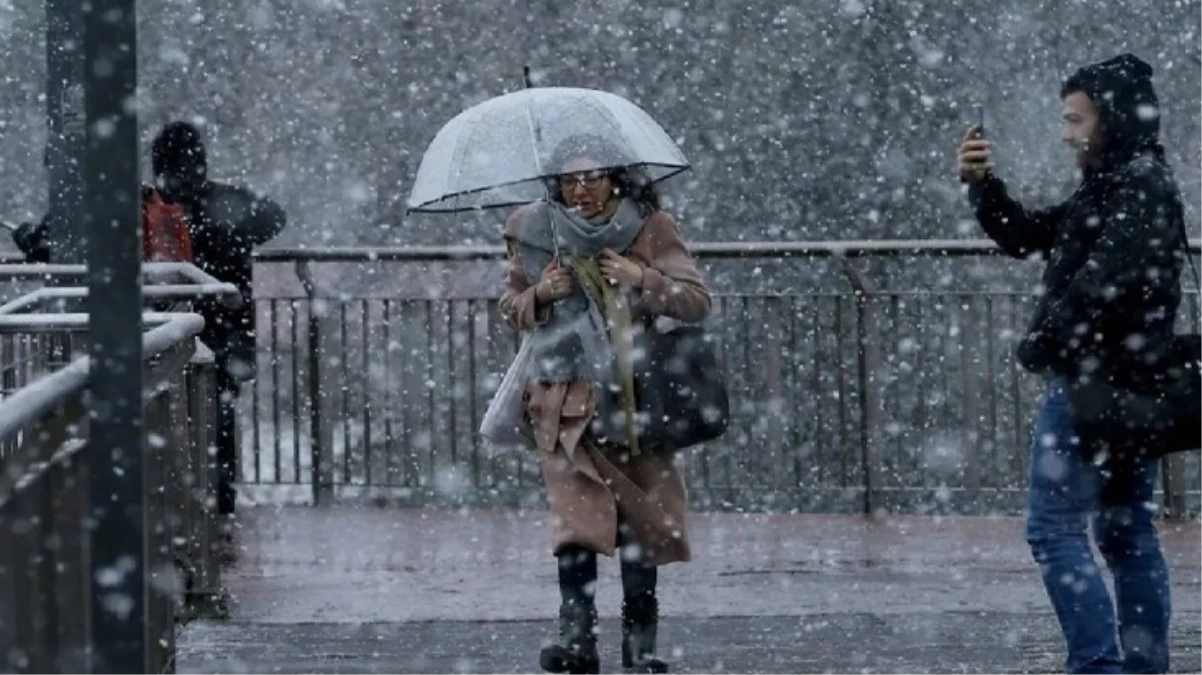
(227, 441)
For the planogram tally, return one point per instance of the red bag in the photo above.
(165, 234)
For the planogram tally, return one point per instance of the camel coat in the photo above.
(592, 489)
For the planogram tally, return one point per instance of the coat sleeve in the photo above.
(519, 305)
(1019, 232)
(265, 221)
(243, 217)
(672, 286)
(1133, 267)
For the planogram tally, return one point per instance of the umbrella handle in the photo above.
(554, 232)
(551, 222)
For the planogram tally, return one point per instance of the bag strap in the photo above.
(1189, 257)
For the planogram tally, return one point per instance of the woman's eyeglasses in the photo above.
(589, 180)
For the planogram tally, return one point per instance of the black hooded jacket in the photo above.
(1114, 249)
(226, 222)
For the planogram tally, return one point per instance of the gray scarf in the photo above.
(574, 343)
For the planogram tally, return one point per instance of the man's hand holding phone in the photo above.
(975, 159)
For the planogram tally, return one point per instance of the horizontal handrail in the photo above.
(705, 250)
(11, 264)
(45, 394)
(228, 293)
(181, 327)
(187, 271)
(66, 321)
(41, 396)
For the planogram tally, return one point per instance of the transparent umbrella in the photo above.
(497, 153)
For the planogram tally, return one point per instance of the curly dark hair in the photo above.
(631, 181)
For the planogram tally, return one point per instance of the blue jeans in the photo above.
(1069, 492)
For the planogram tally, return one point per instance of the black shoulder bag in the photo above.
(1150, 423)
(680, 388)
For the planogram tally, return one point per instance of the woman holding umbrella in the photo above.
(593, 263)
(590, 267)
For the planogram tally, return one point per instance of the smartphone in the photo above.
(979, 115)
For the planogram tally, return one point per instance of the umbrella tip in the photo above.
(526, 76)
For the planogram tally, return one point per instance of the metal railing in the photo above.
(362, 397)
(46, 578)
(849, 399)
(168, 281)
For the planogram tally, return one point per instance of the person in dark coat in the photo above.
(1110, 291)
(226, 222)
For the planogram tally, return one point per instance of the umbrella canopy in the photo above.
(497, 153)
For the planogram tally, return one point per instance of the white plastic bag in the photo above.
(505, 422)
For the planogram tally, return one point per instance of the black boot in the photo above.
(640, 622)
(576, 651)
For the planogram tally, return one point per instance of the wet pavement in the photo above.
(350, 589)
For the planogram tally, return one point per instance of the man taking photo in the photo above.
(1114, 253)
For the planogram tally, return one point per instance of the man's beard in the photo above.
(1088, 154)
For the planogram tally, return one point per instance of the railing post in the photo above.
(970, 368)
(1173, 480)
(163, 440)
(121, 639)
(71, 505)
(774, 337)
(321, 441)
(200, 384)
(869, 375)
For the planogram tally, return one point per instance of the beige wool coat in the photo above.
(593, 489)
